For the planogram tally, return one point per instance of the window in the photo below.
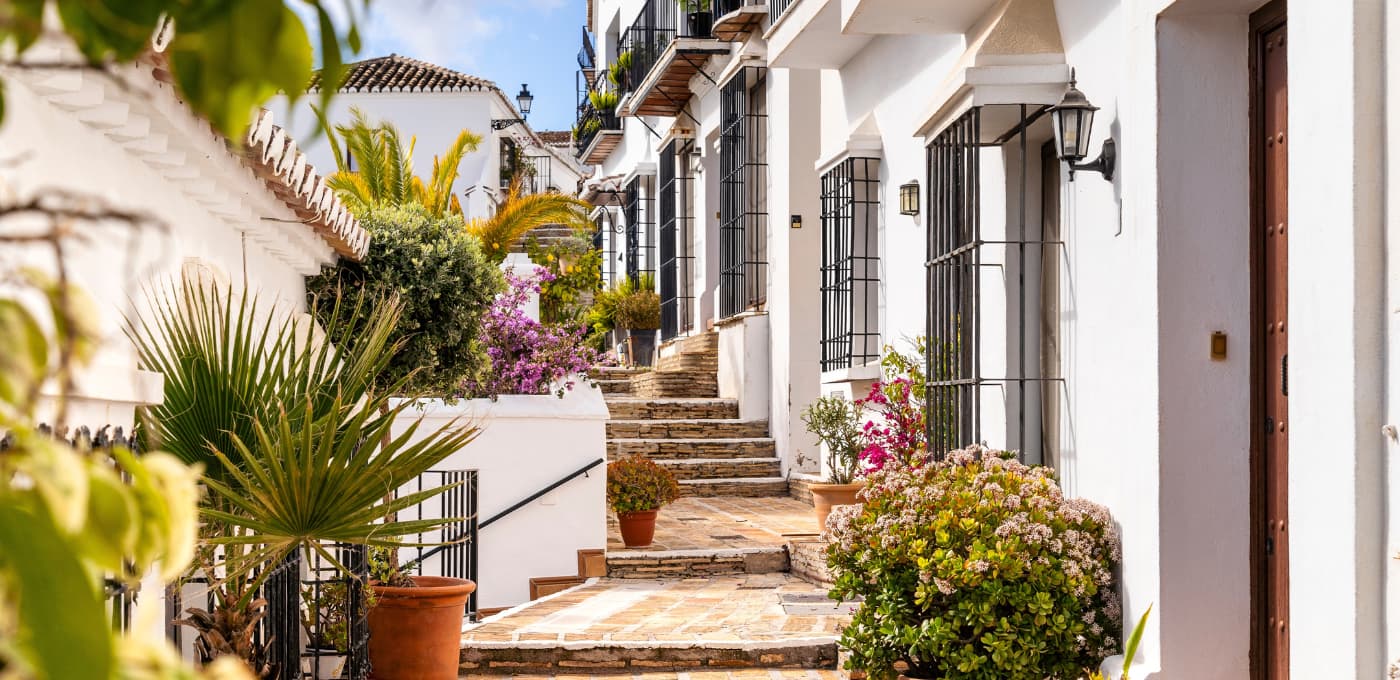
(510, 160)
(743, 219)
(992, 285)
(636, 212)
(675, 220)
(850, 264)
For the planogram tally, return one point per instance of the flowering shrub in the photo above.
(525, 356)
(976, 566)
(636, 484)
(834, 421)
(896, 434)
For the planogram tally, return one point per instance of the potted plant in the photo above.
(698, 18)
(975, 566)
(639, 312)
(415, 625)
(834, 421)
(637, 488)
(604, 101)
(327, 623)
(619, 72)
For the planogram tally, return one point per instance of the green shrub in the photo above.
(444, 282)
(836, 423)
(577, 268)
(975, 567)
(636, 484)
(639, 310)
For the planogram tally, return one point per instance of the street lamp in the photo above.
(1073, 120)
(524, 100)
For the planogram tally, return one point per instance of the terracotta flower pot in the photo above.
(826, 496)
(637, 528)
(416, 633)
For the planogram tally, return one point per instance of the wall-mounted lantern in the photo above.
(524, 100)
(796, 221)
(1073, 119)
(909, 198)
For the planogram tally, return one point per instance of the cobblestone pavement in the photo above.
(739, 608)
(725, 522)
(753, 674)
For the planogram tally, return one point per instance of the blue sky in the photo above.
(507, 41)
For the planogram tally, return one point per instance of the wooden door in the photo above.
(1271, 328)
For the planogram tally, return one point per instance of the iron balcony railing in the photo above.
(657, 25)
(591, 122)
(586, 56)
(777, 7)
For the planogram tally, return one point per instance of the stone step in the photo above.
(676, 384)
(685, 449)
(616, 386)
(614, 372)
(633, 408)
(722, 468)
(708, 362)
(743, 486)
(687, 429)
(696, 563)
(698, 343)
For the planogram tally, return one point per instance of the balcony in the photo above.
(827, 33)
(736, 18)
(597, 134)
(663, 49)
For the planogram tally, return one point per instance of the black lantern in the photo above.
(909, 198)
(1073, 119)
(525, 99)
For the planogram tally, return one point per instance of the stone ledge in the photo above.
(513, 657)
(696, 563)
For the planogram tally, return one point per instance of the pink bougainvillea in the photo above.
(895, 433)
(526, 356)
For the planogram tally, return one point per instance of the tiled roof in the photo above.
(402, 74)
(556, 137)
(274, 158)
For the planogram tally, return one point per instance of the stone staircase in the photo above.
(547, 235)
(672, 415)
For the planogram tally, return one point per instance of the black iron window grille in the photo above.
(850, 264)
(743, 208)
(985, 367)
(637, 214)
(537, 177)
(675, 216)
(510, 160)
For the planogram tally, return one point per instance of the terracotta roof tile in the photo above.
(556, 137)
(395, 73)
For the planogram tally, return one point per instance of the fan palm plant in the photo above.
(384, 174)
(230, 363)
(521, 213)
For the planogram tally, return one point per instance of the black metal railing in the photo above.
(657, 25)
(581, 472)
(777, 7)
(743, 207)
(723, 7)
(537, 174)
(636, 211)
(850, 263)
(586, 57)
(675, 219)
(454, 544)
(591, 122)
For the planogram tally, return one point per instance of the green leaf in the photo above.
(62, 625)
(1134, 640)
(111, 530)
(23, 19)
(110, 29)
(225, 75)
(23, 354)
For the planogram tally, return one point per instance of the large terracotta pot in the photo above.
(637, 528)
(826, 496)
(416, 633)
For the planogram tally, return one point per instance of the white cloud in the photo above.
(452, 33)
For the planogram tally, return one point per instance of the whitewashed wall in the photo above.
(526, 443)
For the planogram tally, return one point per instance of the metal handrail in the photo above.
(583, 471)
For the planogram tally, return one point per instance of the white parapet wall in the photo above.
(527, 443)
(744, 363)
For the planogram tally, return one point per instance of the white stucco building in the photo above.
(1163, 338)
(433, 104)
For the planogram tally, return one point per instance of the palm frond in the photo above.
(437, 196)
(519, 214)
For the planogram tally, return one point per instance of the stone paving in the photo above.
(724, 523)
(765, 620)
(747, 674)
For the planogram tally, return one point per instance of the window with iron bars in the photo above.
(743, 208)
(992, 279)
(675, 220)
(850, 264)
(636, 212)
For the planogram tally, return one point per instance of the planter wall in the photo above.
(527, 443)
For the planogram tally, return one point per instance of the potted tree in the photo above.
(637, 488)
(639, 312)
(698, 18)
(834, 421)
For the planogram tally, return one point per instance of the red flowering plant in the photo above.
(895, 432)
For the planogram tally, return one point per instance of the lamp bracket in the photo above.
(1104, 164)
(503, 123)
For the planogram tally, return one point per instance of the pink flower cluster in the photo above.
(896, 434)
(526, 356)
